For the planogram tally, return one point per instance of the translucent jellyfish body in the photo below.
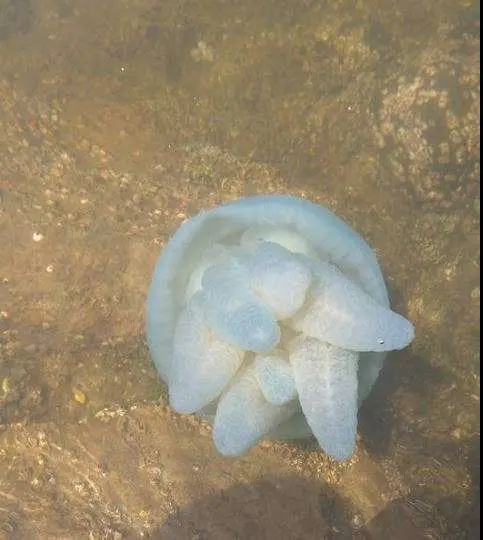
(269, 316)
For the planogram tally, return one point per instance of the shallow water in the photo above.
(121, 119)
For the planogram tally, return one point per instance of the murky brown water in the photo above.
(120, 118)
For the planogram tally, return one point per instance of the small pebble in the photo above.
(6, 386)
(456, 434)
(79, 396)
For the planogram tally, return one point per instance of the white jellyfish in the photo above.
(269, 316)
